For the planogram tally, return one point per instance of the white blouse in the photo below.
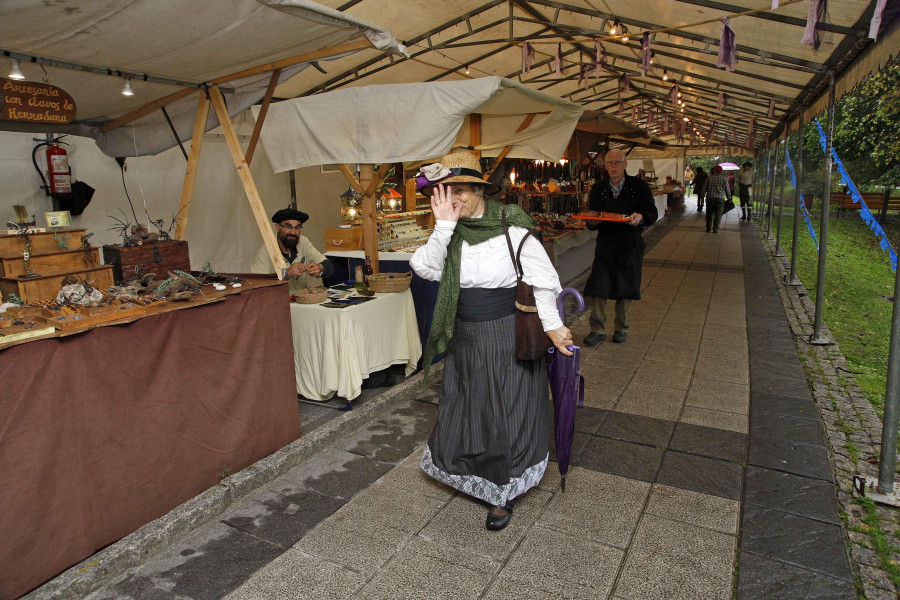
(489, 265)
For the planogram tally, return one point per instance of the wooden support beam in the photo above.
(147, 109)
(409, 199)
(525, 123)
(475, 132)
(267, 99)
(378, 178)
(351, 179)
(243, 171)
(190, 172)
(369, 223)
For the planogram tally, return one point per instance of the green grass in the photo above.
(858, 285)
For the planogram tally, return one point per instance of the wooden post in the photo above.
(243, 171)
(370, 228)
(475, 132)
(190, 172)
(351, 178)
(409, 199)
(263, 109)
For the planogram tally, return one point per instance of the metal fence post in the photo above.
(778, 251)
(798, 198)
(816, 337)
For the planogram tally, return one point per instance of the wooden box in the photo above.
(42, 242)
(338, 238)
(45, 264)
(48, 285)
(157, 257)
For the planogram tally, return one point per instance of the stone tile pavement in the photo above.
(699, 471)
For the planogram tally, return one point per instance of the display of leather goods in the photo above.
(603, 216)
(531, 341)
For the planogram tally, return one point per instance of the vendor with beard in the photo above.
(307, 265)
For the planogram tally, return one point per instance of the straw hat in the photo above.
(460, 166)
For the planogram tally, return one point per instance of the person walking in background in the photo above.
(616, 272)
(716, 190)
(699, 181)
(688, 178)
(745, 180)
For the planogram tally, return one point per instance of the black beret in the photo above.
(290, 214)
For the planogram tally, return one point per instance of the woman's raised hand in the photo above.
(442, 204)
(561, 338)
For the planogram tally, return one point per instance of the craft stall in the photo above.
(132, 382)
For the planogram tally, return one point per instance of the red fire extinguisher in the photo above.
(59, 175)
(59, 178)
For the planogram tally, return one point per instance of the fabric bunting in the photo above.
(665, 124)
(673, 94)
(651, 118)
(728, 57)
(621, 108)
(776, 4)
(557, 61)
(712, 130)
(809, 225)
(721, 103)
(751, 126)
(771, 109)
(527, 57)
(817, 11)
(625, 83)
(634, 114)
(857, 198)
(599, 58)
(875, 23)
(645, 54)
(583, 75)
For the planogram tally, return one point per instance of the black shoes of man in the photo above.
(594, 338)
(379, 379)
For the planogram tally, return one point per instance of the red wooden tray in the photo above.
(605, 216)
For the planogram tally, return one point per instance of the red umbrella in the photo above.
(567, 387)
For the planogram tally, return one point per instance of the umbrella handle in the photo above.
(560, 301)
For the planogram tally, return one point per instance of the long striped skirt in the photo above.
(491, 439)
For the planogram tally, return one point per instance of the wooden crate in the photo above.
(337, 238)
(48, 286)
(158, 257)
(45, 264)
(41, 243)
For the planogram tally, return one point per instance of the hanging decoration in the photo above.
(634, 115)
(557, 62)
(624, 83)
(673, 94)
(665, 123)
(712, 130)
(721, 103)
(817, 11)
(527, 57)
(809, 225)
(645, 53)
(776, 4)
(750, 127)
(683, 125)
(771, 109)
(621, 108)
(599, 58)
(728, 57)
(875, 23)
(651, 118)
(583, 74)
(693, 134)
(864, 212)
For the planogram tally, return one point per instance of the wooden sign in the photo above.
(30, 102)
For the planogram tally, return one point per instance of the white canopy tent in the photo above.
(412, 122)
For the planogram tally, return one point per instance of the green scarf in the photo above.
(473, 231)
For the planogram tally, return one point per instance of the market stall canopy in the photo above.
(412, 122)
(166, 48)
(775, 74)
(596, 128)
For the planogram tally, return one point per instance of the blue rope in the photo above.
(864, 211)
(809, 225)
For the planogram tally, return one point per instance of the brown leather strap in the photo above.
(516, 257)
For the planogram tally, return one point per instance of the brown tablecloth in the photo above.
(103, 432)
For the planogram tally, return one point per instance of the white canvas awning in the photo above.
(416, 121)
(163, 47)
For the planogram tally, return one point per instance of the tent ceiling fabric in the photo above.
(486, 37)
(414, 122)
(168, 40)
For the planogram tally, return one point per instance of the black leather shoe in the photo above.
(498, 522)
(378, 380)
(619, 337)
(594, 338)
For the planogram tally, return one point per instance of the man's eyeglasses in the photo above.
(615, 163)
(292, 227)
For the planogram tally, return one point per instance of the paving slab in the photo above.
(762, 578)
(795, 494)
(621, 458)
(298, 576)
(701, 474)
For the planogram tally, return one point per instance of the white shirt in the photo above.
(745, 177)
(489, 265)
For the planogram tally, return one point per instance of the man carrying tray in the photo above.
(616, 272)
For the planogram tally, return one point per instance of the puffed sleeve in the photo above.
(428, 260)
(542, 276)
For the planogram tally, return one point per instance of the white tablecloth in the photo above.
(336, 348)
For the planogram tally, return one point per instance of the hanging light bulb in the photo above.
(467, 69)
(15, 72)
(624, 33)
(126, 89)
(612, 30)
(666, 76)
(679, 94)
(651, 58)
(686, 119)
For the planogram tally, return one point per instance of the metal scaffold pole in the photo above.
(778, 250)
(798, 197)
(816, 337)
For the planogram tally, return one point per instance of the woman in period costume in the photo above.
(491, 438)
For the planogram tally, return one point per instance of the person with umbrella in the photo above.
(491, 438)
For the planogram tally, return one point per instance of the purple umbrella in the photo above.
(567, 386)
